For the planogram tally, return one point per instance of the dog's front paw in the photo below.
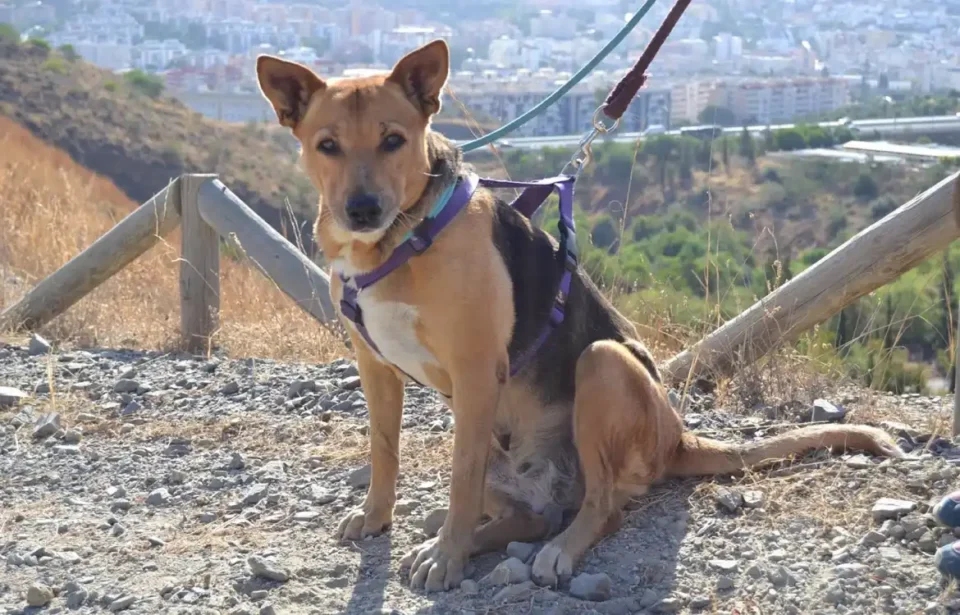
(436, 565)
(365, 521)
(552, 565)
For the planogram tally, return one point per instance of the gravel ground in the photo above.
(150, 483)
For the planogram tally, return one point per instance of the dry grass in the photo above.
(51, 209)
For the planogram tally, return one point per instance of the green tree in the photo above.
(149, 85)
(8, 34)
(748, 149)
(69, 53)
(866, 188)
(789, 139)
(714, 114)
(604, 233)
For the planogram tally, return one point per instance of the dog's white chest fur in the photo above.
(391, 326)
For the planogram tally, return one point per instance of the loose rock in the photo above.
(39, 595)
(266, 569)
(595, 587)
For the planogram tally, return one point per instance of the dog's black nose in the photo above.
(363, 210)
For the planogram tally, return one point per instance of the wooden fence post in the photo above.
(199, 271)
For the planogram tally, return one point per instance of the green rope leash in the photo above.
(563, 89)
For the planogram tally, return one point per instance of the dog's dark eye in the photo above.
(392, 143)
(329, 147)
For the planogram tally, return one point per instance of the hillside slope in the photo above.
(51, 209)
(140, 142)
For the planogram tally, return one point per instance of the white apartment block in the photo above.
(760, 101)
(506, 99)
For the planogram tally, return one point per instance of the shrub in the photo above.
(604, 233)
(110, 86)
(69, 53)
(39, 45)
(8, 34)
(55, 65)
(866, 188)
(149, 85)
(882, 206)
(789, 139)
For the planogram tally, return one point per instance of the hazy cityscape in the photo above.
(764, 62)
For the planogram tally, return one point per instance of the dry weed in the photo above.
(51, 209)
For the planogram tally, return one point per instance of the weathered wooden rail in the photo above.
(208, 211)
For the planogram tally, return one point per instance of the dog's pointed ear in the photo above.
(422, 74)
(288, 86)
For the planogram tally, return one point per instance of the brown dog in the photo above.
(583, 427)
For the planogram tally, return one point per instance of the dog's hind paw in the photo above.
(551, 566)
(433, 567)
(360, 523)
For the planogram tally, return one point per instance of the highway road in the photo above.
(862, 129)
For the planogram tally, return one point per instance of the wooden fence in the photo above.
(207, 210)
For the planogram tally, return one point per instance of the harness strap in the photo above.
(529, 201)
(532, 197)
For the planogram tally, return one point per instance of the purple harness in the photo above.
(533, 195)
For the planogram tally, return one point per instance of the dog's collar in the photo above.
(448, 205)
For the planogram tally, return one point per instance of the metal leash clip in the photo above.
(584, 154)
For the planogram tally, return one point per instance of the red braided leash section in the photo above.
(620, 96)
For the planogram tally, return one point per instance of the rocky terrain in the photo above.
(156, 483)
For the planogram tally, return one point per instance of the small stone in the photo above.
(927, 543)
(38, 345)
(132, 408)
(268, 609)
(753, 499)
(72, 436)
(755, 571)
(872, 539)
(595, 587)
(265, 569)
(513, 593)
(66, 449)
(850, 571)
(469, 587)
(360, 477)
(118, 530)
(230, 388)
(10, 397)
(725, 583)
(729, 499)
(834, 595)
(159, 497)
(255, 493)
(508, 572)
(306, 516)
(890, 554)
(699, 603)
(236, 462)
(860, 462)
(39, 595)
(668, 605)
(299, 387)
(121, 604)
(724, 565)
(350, 384)
(155, 541)
(824, 411)
(46, 425)
(76, 595)
(126, 385)
(320, 496)
(890, 508)
(434, 521)
(523, 551)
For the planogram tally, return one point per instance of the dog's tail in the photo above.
(697, 456)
